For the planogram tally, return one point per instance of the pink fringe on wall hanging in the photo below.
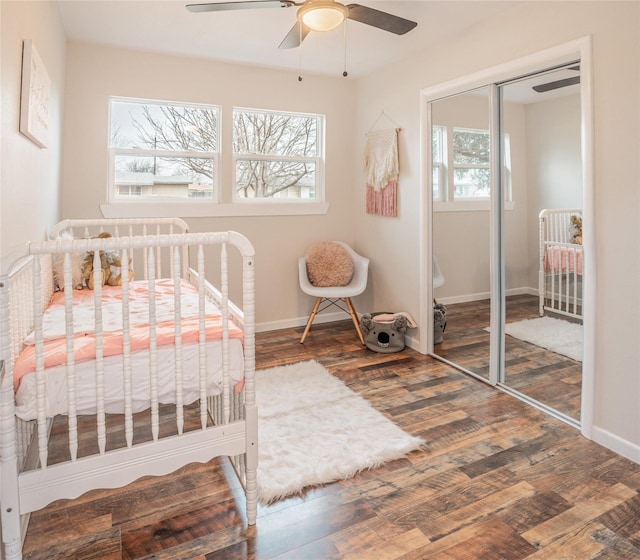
(381, 166)
(383, 202)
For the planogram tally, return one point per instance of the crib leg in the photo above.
(9, 491)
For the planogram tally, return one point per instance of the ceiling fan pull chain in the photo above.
(345, 73)
(300, 54)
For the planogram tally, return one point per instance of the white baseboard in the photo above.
(300, 321)
(486, 295)
(621, 446)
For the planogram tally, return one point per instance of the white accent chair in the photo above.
(338, 294)
(438, 278)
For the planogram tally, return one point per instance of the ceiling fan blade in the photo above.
(293, 38)
(242, 5)
(557, 84)
(381, 20)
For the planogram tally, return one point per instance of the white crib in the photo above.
(209, 409)
(560, 264)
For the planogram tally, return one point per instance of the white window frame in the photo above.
(318, 161)
(447, 201)
(160, 200)
(441, 166)
(134, 207)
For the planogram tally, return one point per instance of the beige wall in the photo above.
(522, 31)
(554, 173)
(29, 175)
(94, 73)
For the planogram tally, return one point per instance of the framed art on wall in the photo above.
(36, 93)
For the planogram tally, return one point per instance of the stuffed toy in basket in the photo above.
(384, 332)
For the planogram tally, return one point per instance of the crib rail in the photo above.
(128, 227)
(227, 422)
(120, 227)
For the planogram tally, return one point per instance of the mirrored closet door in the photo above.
(506, 191)
(540, 134)
(461, 233)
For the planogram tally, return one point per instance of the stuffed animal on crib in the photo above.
(110, 273)
(110, 267)
(575, 230)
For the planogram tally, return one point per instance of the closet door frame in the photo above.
(580, 49)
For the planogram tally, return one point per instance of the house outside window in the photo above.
(277, 156)
(163, 151)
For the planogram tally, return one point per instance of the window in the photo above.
(277, 156)
(163, 151)
(439, 146)
(461, 165)
(128, 190)
(471, 176)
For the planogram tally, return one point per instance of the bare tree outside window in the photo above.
(276, 154)
(471, 158)
(165, 151)
(179, 129)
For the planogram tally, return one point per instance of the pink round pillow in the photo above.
(329, 264)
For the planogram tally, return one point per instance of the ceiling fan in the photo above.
(315, 15)
(557, 84)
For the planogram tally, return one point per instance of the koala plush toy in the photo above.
(385, 337)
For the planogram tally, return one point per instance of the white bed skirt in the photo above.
(56, 386)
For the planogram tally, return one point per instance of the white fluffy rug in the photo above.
(553, 334)
(313, 430)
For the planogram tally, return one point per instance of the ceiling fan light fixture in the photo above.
(322, 15)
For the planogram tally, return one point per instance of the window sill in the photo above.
(200, 210)
(468, 206)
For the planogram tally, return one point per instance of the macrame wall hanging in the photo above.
(382, 169)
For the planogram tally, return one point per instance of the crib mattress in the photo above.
(85, 339)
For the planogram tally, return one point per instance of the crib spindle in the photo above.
(43, 451)
(178, 340)
(126, 351)
(145, 264)
(71, 369)
(153, 347)
(575, 282)
(202, 370)
(97, 307)
(224, 288)
(158, 255)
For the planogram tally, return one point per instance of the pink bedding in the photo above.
(55, 352)
(563, 258)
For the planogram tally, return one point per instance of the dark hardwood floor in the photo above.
(498, 479)
(550, 378)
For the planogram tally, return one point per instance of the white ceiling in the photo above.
(252, 36)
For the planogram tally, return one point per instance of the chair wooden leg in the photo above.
(354, 317)
(314, 311)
